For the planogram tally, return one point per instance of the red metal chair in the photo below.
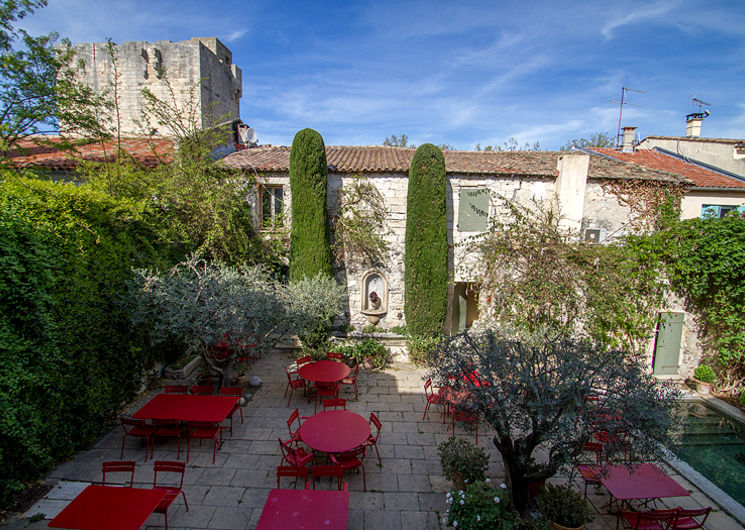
(336, 472)
(332, 356)
(353, 459)
(294, 457)
(688, 519)
(138, 429)
(373, 439)
(294, 418)
(167, 466)
(176, 389)
(292, 471)
(589, 476)
(432, 397)
(468, 417)
(352, 380)
(293, 383)
(203, 390)
(335, 404)
(304, 360)
(166, 429)
(204, 431)
(323, 390)
(237, 392)
(119, 466)
(654, 520)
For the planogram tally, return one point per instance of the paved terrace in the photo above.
(408, 491)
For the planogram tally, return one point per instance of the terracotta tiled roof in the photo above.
(382, 159)
(701, 177)
(32, 153)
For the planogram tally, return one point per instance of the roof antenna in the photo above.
(700, 105)
(620, 112)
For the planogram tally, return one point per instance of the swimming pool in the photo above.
(714, 445)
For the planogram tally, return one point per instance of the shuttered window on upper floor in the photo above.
(473, 209)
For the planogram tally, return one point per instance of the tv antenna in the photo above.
(620, 112)
(702, 112)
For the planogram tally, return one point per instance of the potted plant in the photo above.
(462, 462)
(481, 507)
(564, 507)
(704, 377)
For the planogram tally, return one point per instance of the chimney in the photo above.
(693, 123)
(627, 141)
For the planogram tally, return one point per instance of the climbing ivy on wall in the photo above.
(310, 240)
(426, 256)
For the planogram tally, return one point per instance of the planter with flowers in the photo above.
(462, 462)
(704, 378)
(481, 506)
(564, 507)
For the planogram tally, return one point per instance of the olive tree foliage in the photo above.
(540, 278)
(38, 88)
(531, 393)
(201, 304)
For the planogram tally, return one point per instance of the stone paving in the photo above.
(408, 491)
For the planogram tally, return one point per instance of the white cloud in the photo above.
(235, 35)
(637, 15)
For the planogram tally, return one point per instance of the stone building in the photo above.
(598, 196)
(196, 75)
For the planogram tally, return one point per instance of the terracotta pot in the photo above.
(557, 526)
(535, 487)
(458, 482)
(703, 388)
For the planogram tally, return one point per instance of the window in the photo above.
(473, 209)
(717, 211)
(271, 201)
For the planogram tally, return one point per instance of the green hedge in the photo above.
(310, 240)
(68, 355)
(426, 258)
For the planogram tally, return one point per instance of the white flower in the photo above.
(487, 480)
(497, 499)
(466, 481)
(478, 517)
(455, 523)
(462, 502)
(503, 486)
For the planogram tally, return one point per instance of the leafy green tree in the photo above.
(38, 88)
(310, 240)
(599, 139)
(398, 141)
(531, 394)
(426, 254)
(511, 144)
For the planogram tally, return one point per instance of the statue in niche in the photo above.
(374, 296)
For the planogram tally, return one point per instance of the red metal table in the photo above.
(186, 407)
(113, 508)
(305, 509)
(646, 482)
(324, 371)
(334, 431)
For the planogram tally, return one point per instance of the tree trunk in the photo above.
(518, 485)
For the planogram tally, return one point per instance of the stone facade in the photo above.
(196, 75)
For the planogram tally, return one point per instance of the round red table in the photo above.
(324, 371)
(334, 431)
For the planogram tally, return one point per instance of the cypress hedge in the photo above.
(426, 256)
(310, 239)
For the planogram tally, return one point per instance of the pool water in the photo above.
(714, 445)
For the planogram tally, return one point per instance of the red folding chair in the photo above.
(654, 520)
(432, 397)
(137, 429)
(294, 418)
(335, 404)
(303, 360)
(166, 429)
(336, 472)
(203, 390)
(295, 472)
(166, 466)
(295, 457)
(373, 439)
(353, 459)
(689, 519)
(332, 356)
(204, 431)
(293, 383)
(119, 466)
(352, 381)
(176, 389)
(467, 417)
(323, 390)
(589, 476)
(237, 392)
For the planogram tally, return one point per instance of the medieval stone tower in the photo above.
(195, 76)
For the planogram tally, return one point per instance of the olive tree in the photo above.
(532, 394)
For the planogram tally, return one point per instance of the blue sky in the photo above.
(459, 73)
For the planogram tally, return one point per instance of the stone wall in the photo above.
(186, 65)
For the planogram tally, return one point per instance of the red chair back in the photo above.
(332, 356)
(428, 388)
(335, 404)
(135, 427)
(168, 466)
(202, 390)
(687, 519)
(176, 389)
(646, 520)
(294, 417)
(303, 360)
(375, 421)
(231, 391)
(328, 471)
(118, 466)
(295, 472)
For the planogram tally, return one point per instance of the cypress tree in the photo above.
(426, 257)
(310, 240)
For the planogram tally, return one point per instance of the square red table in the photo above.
(114, 508)
(646, 482)
(187, 407)
(305, 509)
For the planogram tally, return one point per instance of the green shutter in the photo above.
(473, 210)
(667, 348)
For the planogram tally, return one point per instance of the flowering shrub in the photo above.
(481, 506)
(462, 460)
